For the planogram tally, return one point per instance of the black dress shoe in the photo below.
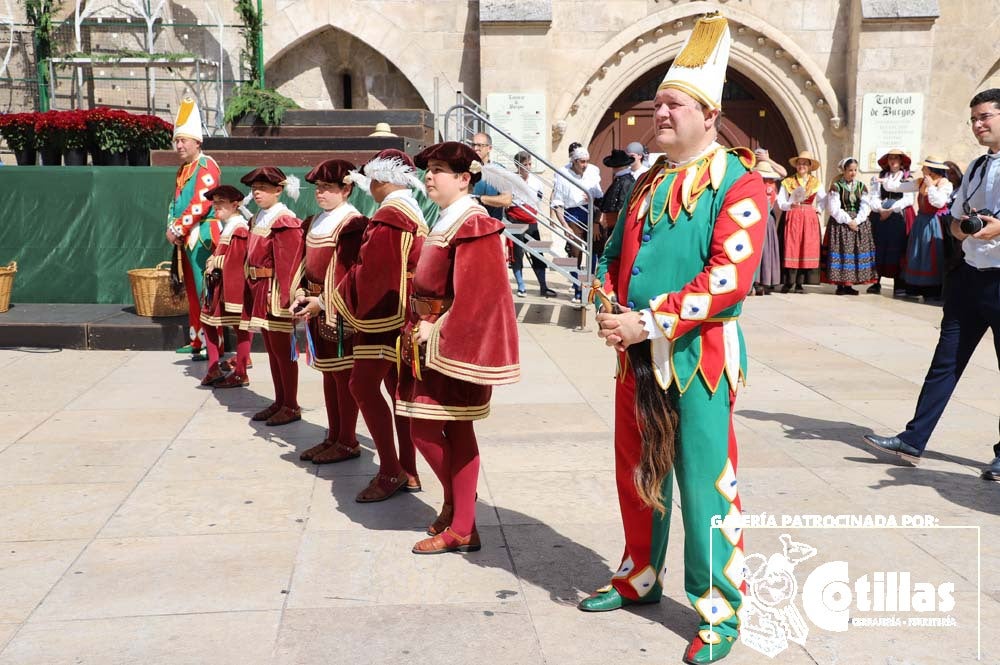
(874, 288)
(992, 472)
(894, 445)
(785, 288)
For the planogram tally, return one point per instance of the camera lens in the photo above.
(971, 225)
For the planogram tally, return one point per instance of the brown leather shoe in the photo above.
(234, 381)
(449, 541)
(308, 455)
(229, 364)
(443, 520)
(338, 452)
(214, 375)
(381, 488)
(267, 413)
(283, 416)
(412, 483)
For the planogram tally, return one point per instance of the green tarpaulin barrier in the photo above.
(76, 231)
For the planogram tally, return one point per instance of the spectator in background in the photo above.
(848, 248)
(493, 200)
(923, 267)
(892, 217)
(621, 164)
(763, 156)
(768, 275)
(524, 211)
(574, 188)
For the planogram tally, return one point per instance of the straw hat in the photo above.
(805, 154)
(883, 161)
(767, 171)
(935, 163)
(382, 129)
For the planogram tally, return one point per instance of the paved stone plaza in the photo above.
(146, 521)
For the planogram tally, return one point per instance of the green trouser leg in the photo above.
(706, 479)
(194, 278)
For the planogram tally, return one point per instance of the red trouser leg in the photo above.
(460, 437)
(194, 304)
(407, 453)
(366, 387)
(428, 436)
(641, 524)
(274, 361)
(347, 408)
(243, 338)
(281, 348)
(213, 339)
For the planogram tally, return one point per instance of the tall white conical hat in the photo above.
(187, 124)
(700, 68)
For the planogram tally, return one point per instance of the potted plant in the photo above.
(72, 128)
(48, 138)
(18, 130)
(267, 105)
(110, 131)
(152, 133)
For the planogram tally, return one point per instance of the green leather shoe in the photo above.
(699, 652)
(608, 599)
(185, 349)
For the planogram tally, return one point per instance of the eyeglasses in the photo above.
(480, 145)
(982, 118)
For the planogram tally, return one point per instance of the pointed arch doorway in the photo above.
(749, 119)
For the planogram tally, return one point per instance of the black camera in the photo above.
(974, 223)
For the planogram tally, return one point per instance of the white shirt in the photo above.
(786, 201)
(449, 216)
(406, 196)
(535, 183)
(937, 195)
(565, 195)
(893, 182)
(841, 216)
(327, 221)
(233, 223)
(265, 216)
(983, 193)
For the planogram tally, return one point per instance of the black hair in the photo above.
(573, 146)
(991, 95)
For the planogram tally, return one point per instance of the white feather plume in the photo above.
(360, 181)
(243, 209)
(292, 187)
(416, 183)
(505, 181)
(392, 170)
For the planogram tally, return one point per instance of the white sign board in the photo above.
(522, 115)
(890, 120)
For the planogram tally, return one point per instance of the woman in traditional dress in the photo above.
(769, 273)
(925, 253)
(460, 341)
(332, 245)
(799, 197)
(891, 217)
(273, 271)
(848, 247)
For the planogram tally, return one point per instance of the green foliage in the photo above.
(268, 105)
(39, 13)
(127, 53)
(253, 23)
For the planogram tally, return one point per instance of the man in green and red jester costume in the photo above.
(679, 264)
(192, 226)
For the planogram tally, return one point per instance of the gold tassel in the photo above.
(706, 35)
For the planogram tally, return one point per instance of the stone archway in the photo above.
(782, 70)
(283, 34)
(331, 69)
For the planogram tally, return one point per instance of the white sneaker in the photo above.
(576, 301)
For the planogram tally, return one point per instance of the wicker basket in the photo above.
(152, 294)
(6, 284)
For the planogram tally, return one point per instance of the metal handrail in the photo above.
(584, 274)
